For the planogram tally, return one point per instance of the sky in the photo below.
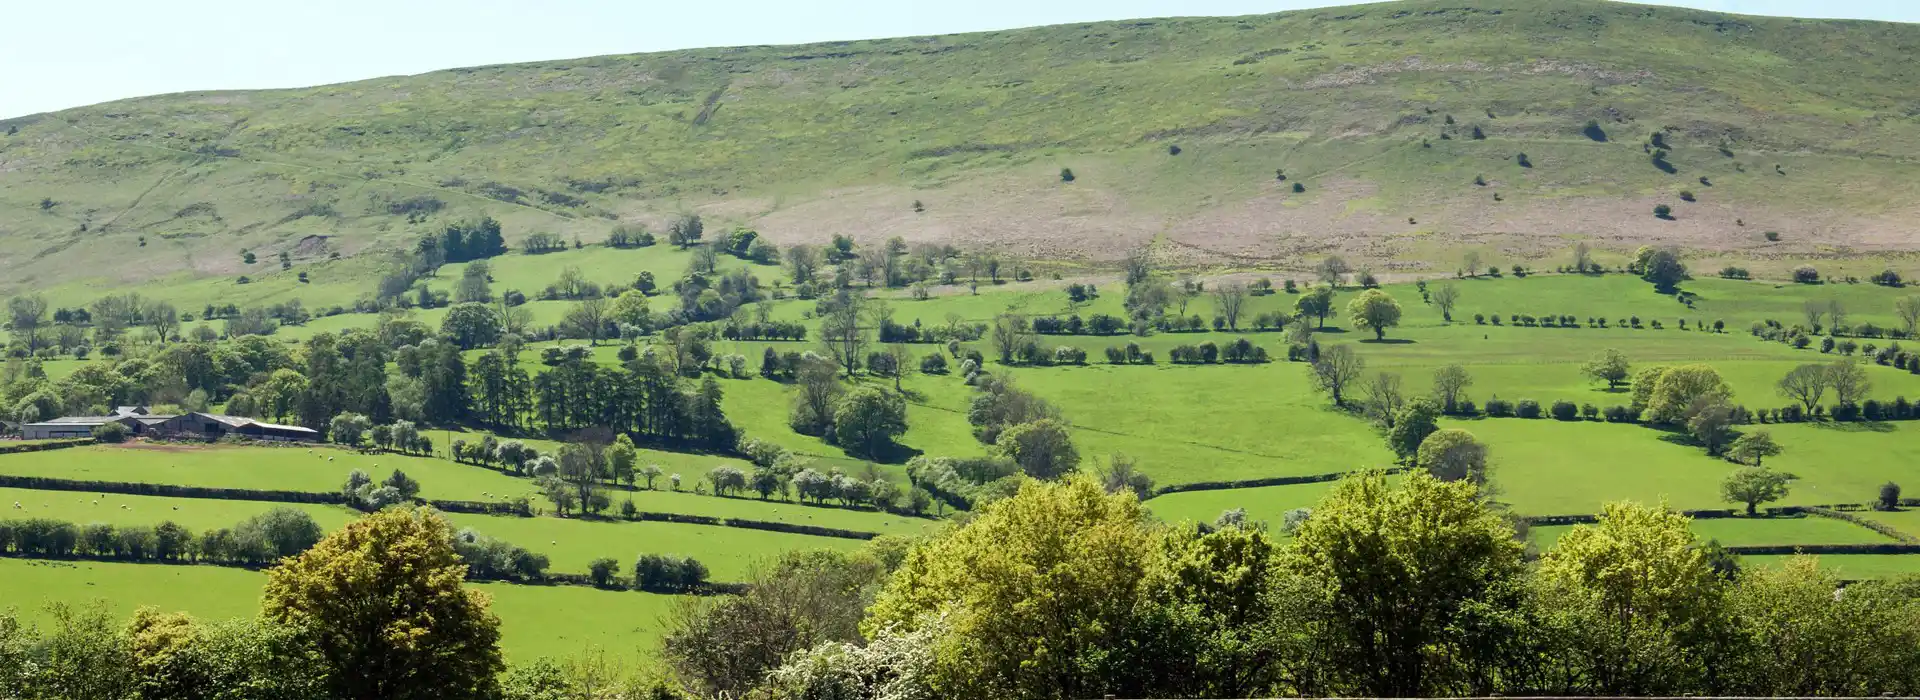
(55, 55)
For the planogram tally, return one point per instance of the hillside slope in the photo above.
(1803, 127)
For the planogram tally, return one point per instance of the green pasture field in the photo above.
(1906, 520)
(1851, 566)
(1264, 503)
(1743, 531)
(1846, 463)
(536, 621)
(1546, 467)
(266, 468)
(293, 469)
(195, 514)
(571, 544)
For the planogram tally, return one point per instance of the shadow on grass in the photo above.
(1387, 341)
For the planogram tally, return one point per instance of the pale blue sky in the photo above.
(65, 53)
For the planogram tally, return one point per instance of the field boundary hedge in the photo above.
(583, 580)
(1268, 481)
(651, 516)
(170, 490)
(44, 446)
(1873, 525)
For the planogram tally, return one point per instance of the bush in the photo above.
(668, 572)
(110, 432)
(1565, 410)
(1889, 496)
(605, 570)
(933, 363)
(1805, 274)
(1663, 212)
(1617, 414)
(1528, 408)
(1499, 408)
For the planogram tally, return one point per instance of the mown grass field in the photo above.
(1265, 503)
(536, 621)
(1743, 531)
(195, 514)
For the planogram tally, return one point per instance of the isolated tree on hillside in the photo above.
(1332, 269)
(867, 419)
(1043, 448)
(1806, 384)
(1610, 367)
(1385, 396)
(1449, 384)
(685, 230)
(1754, 486)
(1452, 454)
(1444, 298)
(1010, 334)
(1374, 310)
(1908, 309)
(1411, 426)
(587, 319)
(1663, 268)
(1316, 302)
(840, 331)
(1229, 297)
(1753, 447)
(1710, 422)
(1336, 369)
(1849, 381)
(1679, 388)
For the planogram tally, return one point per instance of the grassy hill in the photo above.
(1806, 128)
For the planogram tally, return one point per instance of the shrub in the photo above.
(1499, 408)
(933, 363)
(605, 570)
(1617, 414)
(1889, 496)
(1589, 411)
(1565, 410)
(1528, 408)
(1805, 274)
(110, 432)
(1663, 212)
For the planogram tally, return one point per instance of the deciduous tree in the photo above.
(382, 602)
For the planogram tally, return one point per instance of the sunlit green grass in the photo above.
(1742, 531)
(536, 621)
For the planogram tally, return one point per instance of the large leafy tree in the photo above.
(1453, 454)
(1678, 390)
(1374, 310)
(1630, 605)
(1042, 595)
(1043, 448)
(867, 419)
(1417, 587)
(1754, 486)
(382, 602)
(1609, 366)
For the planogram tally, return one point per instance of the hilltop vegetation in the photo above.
(1389, 131)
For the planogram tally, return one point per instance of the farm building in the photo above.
(191, 425)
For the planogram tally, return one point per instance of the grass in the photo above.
(1798, 530)
(1265, 503)
(572, 544)
(195, 514)
(276, 468)
(1906, 520)
(536, 621)
(1851, 566)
